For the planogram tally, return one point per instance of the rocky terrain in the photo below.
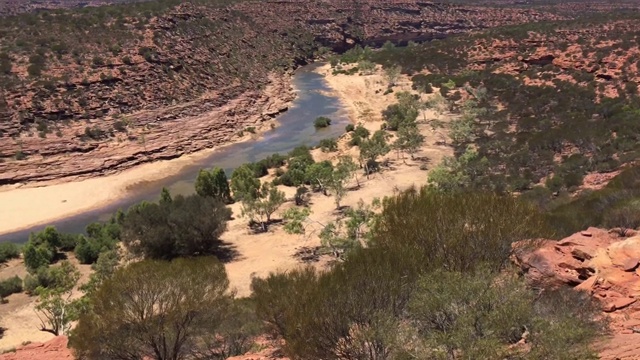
(98, 99)
(13, 7)
(604, 264)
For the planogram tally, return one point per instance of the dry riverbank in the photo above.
(38, 203)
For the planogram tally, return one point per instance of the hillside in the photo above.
(96, 90)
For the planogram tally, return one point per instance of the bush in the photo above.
(328, 145)
(10, 286)
(419, 292)
(186, 226)
(321, 122)
(37, 256)
(188, 295)
(349, 128)
(9, 251)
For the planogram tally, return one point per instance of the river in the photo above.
(295, 128)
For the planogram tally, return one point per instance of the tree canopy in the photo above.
(186, 226)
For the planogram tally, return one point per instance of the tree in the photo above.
(36, 256)
(392, 74)
(55, 308)
(187, 226)
(213, 183)
(104, 268)
(244, 183)
(349, 233)
(463, 172)
(165, 196)
(260, 209)
(155, 309)
(409, 140)
(347, 168)
(294, 218)
(372, 148)
(320, 175)
(438, 103)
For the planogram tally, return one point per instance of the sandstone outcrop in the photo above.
(604, 264)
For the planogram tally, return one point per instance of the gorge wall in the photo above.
(94, 91)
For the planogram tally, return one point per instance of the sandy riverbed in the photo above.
(22, 207)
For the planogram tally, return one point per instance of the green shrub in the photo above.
(10, 286)
(321, 122)
(9, 251)
(89, 249)
(349, 128)
(328, 145)
(186, 226)
(37, 256)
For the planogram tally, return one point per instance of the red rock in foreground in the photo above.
(604, 264)
(54, 349)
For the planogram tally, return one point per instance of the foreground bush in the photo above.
(457, 231)
(432, 285)
(184, 226)
(163, 310)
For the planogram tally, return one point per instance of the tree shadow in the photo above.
(226, 252)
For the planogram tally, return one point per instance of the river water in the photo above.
(295, 128)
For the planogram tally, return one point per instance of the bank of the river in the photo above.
(70, 206)
(275, 250)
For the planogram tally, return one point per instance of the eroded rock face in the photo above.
(604, 264)
(191, 78)
(54, 349)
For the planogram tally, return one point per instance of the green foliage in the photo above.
(55, 308)
(244, 183)
(328, 145)
(402, 114)
(421, 83)
(260, 209)
(321, 122)
(392, 74)
(10, 286)
(165, 196)
(349, 128)
(37, 256)
(187, 226)
(367, 67)
(344, 235)
(614, 206)
(173, 291)
(419, 292)
(358, 135)
(475, 315)
(295, 218)
(299, 159)
(478, 228)
(371, 149)
(213, 183)
(103, 268)
(20, 155)
(9, 251)
(467, 171)
(319, 175)
(409, 140)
